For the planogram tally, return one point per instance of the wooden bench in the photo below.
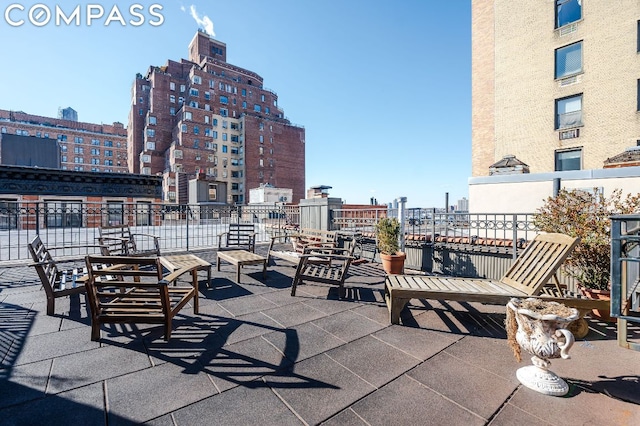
(118, 240)
(240, 236)
(139, 294)
(302, 240)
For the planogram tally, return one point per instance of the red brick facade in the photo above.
(204, 115)
(84, 146)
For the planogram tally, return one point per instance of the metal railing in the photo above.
(429, 222)
(179, 227)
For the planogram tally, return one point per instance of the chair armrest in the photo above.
(155, 237)
(76, 246)
(177, 273)
(327, 250)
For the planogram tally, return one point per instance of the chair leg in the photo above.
(95, 331)
(167, 329)
(51, 306)
(294, 285)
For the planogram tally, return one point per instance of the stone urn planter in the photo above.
(538, 327)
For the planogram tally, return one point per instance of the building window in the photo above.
(182, 88)
(184, 128)
(224, 112)
(568, 11)
(95, 151)
(224, 148)
(244, 104)
(569, 60)
(78, 150)
(569, 112)
(568, 160)
(62, 138)
(152, 120)
(196, 130)
(177, 154)
(151, 132)
(194, 92)
(172, 86)
(197, 79)
(146, 158)
(207, 96)
(172, 111)
(215, 134)
(108, 143)
(151, 146)
(224, 100)
(224, 136)
(172, 99)
(257, 108)
(78, 139)
(108, 153)
(188, 115)
(638, 107)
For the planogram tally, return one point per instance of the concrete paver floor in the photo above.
(256, 355)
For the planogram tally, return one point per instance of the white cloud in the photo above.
(204, 21)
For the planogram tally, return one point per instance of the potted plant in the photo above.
(586, 214)
(388, 233)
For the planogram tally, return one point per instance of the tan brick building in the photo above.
(205, 117)
(554, 82)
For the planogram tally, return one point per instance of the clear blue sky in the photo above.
(383, 88)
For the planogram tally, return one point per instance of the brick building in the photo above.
(205, 117)
(554, 83)
(83, 146)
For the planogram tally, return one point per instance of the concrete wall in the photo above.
(527, 192)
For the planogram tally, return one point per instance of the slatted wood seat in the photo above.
(304, 240)
(118, 240)
(140, 294)
(527, 277)
(56, 282)
(333, 272)
(240, 236)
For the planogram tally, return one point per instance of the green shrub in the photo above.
(388, 230)
(586, 214)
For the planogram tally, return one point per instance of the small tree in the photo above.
(388, 235)
(586, 214)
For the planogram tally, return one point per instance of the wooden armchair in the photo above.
(240, 236)
(333, 271)
(120, 241)
(139, 294)
(56, 282)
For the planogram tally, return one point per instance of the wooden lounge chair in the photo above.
(302, 241)
(333, 269)
(240, 236)
(118, 240)
(139, 294)
(527, 277)
(56, 282)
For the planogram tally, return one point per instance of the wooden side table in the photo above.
(239, 258)
(179, 261)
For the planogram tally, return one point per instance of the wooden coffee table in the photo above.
(179, 261)
(241, 258)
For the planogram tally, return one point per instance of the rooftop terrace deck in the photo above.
(256, 355)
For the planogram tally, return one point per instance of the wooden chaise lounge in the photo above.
(527, 277)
